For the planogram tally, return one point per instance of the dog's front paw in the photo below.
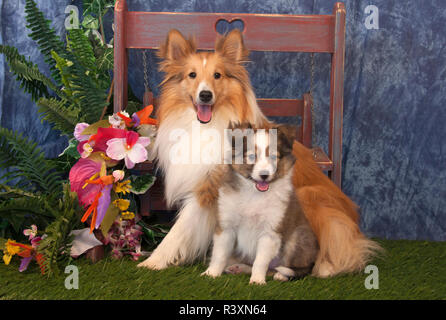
(257, 280)
(153, 263)
(211, 273)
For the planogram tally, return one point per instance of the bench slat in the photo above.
(262, 32)
(281, 107)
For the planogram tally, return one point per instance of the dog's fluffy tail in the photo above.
(333, 218)
(343, 248)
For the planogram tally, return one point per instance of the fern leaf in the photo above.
(27, 163)
(87, 89)
(7, 192)
(80, 46)
(35, 87)
(63, 66)
(19, 212)
(37, 206)
(32, 73)
(55, 248)
(56, 112)
(44, 35)
(91, 96)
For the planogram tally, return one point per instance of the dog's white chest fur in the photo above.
(183, 162)
(252, 214)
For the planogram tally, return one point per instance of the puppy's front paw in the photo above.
(257, 280)
(238, 268)
(280, 277)
(153, 263)
(211, 273)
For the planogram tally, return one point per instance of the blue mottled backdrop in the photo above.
(394, 153)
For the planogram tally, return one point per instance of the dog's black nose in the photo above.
(264, 176)
(205, 96)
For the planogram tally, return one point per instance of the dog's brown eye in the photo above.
(217, 75)
(192, 75)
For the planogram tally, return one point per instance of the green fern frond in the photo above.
(19, 212)
(32, 73)
(7, 192)
(56, 246)
(44, 35)
(38, 206)
(57, 113)
(26, 163)
(87, 89)
(63, 66)
(35, 87)
(79, 45)
(92, 97)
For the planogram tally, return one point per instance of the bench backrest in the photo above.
(262, 32)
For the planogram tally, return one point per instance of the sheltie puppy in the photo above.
(208, 91)
(259, 218)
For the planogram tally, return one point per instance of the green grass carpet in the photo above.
(408, 270)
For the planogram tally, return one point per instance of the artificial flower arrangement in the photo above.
(106, 182)
(103, 180)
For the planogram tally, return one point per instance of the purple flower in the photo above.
(25, 263)
(104, 203)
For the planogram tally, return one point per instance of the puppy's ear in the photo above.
(176, 46)
(288, 131)
(236, 134)
(286, 134)
(232, 47)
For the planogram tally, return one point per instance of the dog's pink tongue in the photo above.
(204, 113)
(262, 186)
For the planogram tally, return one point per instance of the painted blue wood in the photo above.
(394, 152)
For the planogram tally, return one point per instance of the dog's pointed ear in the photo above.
(232, 46)
(288, 131)
(286, 134)
(176, 46)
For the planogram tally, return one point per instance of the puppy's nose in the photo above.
(205, 96)
(264, 175)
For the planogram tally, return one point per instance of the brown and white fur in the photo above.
(331, 214)
(260, 221)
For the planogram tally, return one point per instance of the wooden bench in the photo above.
(262, 32)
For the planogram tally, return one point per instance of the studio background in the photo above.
(394, 137)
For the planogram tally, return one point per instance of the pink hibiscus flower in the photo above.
(131, 148)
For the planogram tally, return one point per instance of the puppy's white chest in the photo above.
(252, 214)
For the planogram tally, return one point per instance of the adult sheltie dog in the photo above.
(209, 90)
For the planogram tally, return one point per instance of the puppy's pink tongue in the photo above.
(262, 186)
(204, 113)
